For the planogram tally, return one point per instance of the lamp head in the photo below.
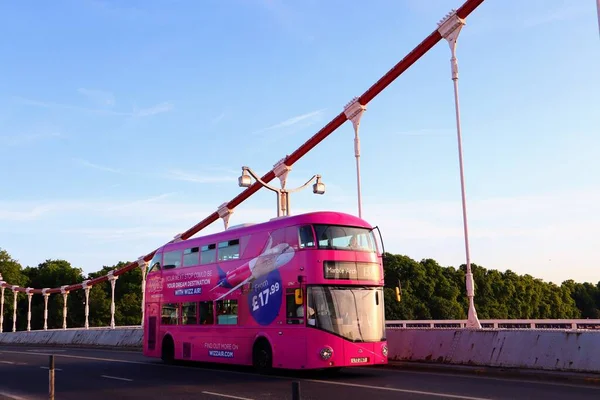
(245, 180)
(319, 187)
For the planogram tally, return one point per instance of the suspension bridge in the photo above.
(551, 345)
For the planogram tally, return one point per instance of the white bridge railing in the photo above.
(498, 324)
(558, 324)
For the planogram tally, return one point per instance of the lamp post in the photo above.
(598, 11)
(283, 199)
(449, 27)
(354, 111)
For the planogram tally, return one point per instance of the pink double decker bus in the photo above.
(297, 292)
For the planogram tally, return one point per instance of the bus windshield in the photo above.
(337, 237)
(354, 313)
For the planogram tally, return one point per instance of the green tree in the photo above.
(53, 274)
(429, 291)
(128, 296)
(11, 272)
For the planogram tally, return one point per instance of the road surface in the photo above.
(103, 374)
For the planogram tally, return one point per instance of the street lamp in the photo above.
(283, 198)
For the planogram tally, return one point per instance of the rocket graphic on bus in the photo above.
(270, 259)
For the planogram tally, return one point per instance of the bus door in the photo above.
(152, 308)
(151, 321)
(294, 340)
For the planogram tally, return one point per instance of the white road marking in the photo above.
(454, 396)
(117, 378)
(470, 376)
(158, 364)
(11, 396)
(228, 396)
(56, 369)
(42, 350)
(6, 362)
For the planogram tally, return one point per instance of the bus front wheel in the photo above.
(168, 350)
(262, 356)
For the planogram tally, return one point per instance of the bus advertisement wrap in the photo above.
(265, 298)
(300, 292)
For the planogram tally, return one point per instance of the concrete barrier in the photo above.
(575, 351)
(114, 338)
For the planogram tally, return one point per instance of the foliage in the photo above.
(429, 291)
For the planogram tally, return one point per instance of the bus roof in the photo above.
(317, 217)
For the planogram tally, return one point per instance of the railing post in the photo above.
(86, 287)
(144, 268)
(113, 281)
(29, 294)
(14, 289)
(46, 295)
(65, 294)
(1, 305)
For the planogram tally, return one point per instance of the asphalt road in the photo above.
(102, 374)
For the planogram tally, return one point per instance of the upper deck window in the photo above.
(172, 259)
(208, 254)
(190, 256)
(155, 262)
(337, 237)
(306, 236)
(229, 250)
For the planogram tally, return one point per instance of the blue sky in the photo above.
(125, 123)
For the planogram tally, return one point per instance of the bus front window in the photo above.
(337, 237)
(354, 313)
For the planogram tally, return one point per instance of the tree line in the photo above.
(429, 291)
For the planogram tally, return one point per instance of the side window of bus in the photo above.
(172, 259)
(294, 307)
(188, 314)
(227, 312)
(206, 313)
(155, 263)
(208, 254)
(191, 256)
(229, 250)
(307, 237)
(170, 314)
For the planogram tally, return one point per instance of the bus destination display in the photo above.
(349, 270)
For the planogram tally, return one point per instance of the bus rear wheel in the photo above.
(262, 356)
(168, 350)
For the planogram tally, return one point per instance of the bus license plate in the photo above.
(356, 360)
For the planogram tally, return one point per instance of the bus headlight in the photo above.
(326, 353)
(384, 350)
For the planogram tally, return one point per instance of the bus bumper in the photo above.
(348, 354)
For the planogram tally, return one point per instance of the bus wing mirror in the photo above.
(298, 296)
(380, 238)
